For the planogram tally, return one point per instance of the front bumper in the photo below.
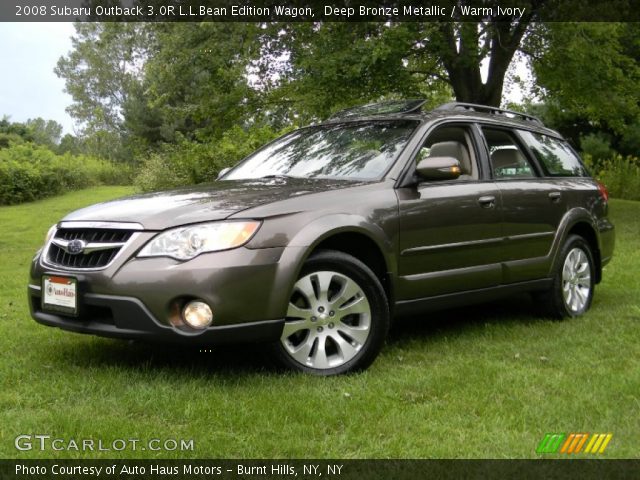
(128, 318)
(247, 290)
(607, 240)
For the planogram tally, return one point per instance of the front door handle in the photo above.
(487, 201)
(555, 196)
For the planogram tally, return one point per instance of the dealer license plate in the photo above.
(60, 294)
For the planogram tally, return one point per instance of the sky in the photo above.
(28, 87)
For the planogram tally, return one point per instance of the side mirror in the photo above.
(439, 168)
(222, 173)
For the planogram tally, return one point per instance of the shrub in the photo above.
(188, 163)
(621, 175)
(597, 146)
(630, 142)
(29, 172)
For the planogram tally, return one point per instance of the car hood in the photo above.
(201, 203)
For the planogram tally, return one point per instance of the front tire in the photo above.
(337, 319)
(571, 293)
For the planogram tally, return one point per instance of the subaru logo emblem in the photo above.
(75, 247)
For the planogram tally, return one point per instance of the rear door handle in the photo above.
(555, 196)
(487, 201)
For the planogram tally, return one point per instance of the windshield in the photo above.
(358, 151)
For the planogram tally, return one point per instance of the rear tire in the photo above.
(573, 281)
(337, 319)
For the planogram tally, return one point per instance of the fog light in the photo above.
(197, 314)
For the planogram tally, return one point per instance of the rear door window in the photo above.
(555, 156)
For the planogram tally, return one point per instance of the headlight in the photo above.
(184, 243)
(50, 233)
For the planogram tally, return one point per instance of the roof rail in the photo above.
(487, 109)
(381, 108)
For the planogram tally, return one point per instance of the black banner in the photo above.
(316, 10)
(324, 469)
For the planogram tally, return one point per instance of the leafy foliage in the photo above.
(187, 163)
(14, 133)
(590, 70)
(142, 85)
(597, 146)
(196, 82)
(327, 67)
(100, 73)
(37, 130)
(621, 175)
(29, 172)
(45, 132)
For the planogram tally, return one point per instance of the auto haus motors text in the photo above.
(97, 470)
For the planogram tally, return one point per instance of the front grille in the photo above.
(98, 235)
(58, 256)
(101, 247)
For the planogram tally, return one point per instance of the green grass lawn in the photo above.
(486, 381)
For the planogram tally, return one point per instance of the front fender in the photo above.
(312, 234)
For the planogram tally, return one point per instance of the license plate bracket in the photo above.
(60, 294)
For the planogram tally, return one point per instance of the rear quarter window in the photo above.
(556, 156)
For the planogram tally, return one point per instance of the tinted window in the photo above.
(506, 156)
(354, 150)
(556, 156)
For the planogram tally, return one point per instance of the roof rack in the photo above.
(487, 109)
(381, 108)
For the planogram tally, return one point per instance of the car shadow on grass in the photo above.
(250, 359)
(94, 352)
(461, 321)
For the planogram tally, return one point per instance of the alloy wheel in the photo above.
(576, 280)
(328, 320)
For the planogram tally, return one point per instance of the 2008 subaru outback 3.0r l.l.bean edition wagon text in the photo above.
(316, 240)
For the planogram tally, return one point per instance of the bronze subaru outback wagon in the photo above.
(318, 239)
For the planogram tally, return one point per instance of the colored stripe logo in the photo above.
(574, 443)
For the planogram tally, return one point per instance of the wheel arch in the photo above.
(579, 222)
(364, 248)
(354, 236)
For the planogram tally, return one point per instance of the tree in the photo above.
(105, 65)
(312, 70)
(589, 71)
(324, 66)
(464, 47)
(45, 132)
(71, 144)
(196, 85)
(13, 132)
(586, 83)
(137, 86)
(203, 77)
(38, 130)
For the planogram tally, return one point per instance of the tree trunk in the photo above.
(463, 55)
